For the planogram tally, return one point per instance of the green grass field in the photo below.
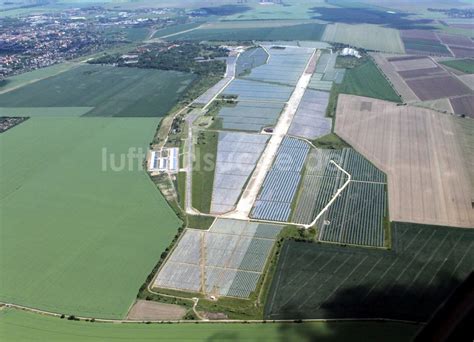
(464, 65)
(203, 171)
(367, 80)
(78, 237)
(296, 32)
(110, 90)
(369, 37)
(22, 326)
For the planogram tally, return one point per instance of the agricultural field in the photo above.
(408, 282)
(463, 105)
(237, 155)
(461, 46)
(226, 260)
(428, 182)
(118, 92)
(284, 65)
(310, 121)
(369, 37)
(248, 90)
(95, 225)
(20, 80)
(367, 80)
(357, 215)
(47, 328)
(248, 115)
(311, 31)
(421, 78)
(464, 65)
(281, 183)
(423, 42)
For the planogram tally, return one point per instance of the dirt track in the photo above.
(418, 149)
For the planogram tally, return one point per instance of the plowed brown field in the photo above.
(428, 181)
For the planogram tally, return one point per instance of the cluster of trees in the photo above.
(197, 58)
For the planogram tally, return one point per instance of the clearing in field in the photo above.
(237, 155)
(226, 260)
(408, 283)
(111, 91)
(370, 37)
(147, 310)
(17, 325)
(90, 229)
(419, 151)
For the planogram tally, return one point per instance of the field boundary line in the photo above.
(205, 321)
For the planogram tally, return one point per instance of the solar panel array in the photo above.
(275, 198)
(326, 73)
(235, 253)
(237, 155)
(285, 65)
(248, 90)
(357, 215)
(250, 116)
(310, 120)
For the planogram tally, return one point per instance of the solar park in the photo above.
(226, 260)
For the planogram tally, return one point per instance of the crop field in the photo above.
(237, 155)
(437, 87)
(312, 31)
(284, 66)
(423, 42)
(281, 183)
(461, 46)
(227, 260)
(357, 215)
(250, 59)
(95, 226)
(408, 282)
(249, 116)
(463, 105)
(370, 37)
(310, 120)
(417, 148)
(425, 47)
(248, 90)
(110, 90)
(395, 79)
(464, 65)
(366, 80)
(17, 325)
